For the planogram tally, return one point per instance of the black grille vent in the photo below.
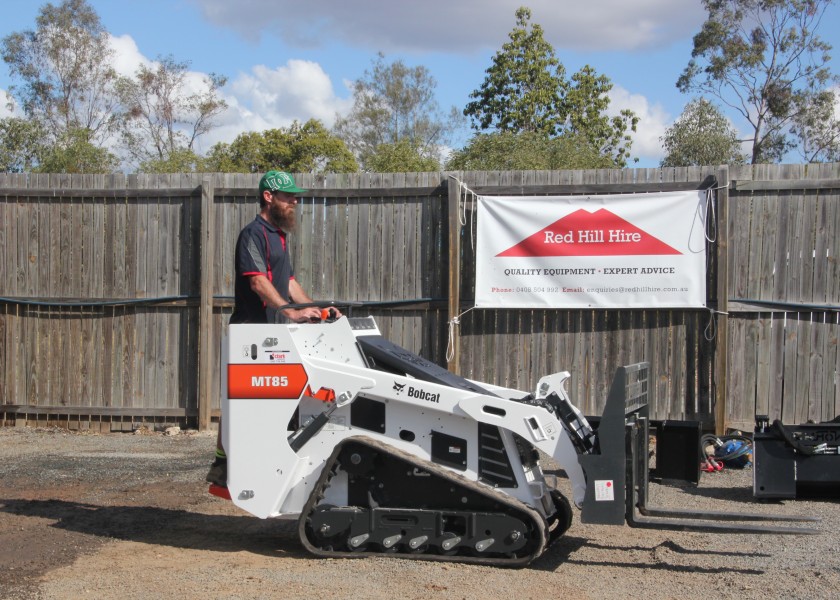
(493, 462)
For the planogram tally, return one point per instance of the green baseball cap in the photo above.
(279, 181)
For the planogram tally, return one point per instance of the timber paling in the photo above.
(116, 291)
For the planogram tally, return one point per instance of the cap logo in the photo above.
(280, 180)
(275, 181)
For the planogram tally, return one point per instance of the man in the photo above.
(265, 279)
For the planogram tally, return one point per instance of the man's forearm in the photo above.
(296, 293)
(263, 288)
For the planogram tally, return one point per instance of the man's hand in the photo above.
(265, 290)
(303, 315)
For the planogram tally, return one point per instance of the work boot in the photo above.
(218, 472)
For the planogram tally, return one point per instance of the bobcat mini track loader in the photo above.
(374, 449)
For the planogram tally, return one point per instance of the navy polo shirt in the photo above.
(260, 250)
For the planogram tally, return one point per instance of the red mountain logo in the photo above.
(583, 233)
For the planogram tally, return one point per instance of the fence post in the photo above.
(721, 378)
(205, 306)
(453, 198)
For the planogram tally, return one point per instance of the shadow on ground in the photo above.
(169, 527)
(563, 552)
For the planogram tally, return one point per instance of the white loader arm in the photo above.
(534, 424)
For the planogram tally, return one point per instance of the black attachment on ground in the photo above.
(678, 452)
(795, 460)
(617, 478)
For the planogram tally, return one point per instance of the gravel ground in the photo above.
(128, 516)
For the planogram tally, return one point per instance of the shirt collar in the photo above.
(273, 229)
(269, 226)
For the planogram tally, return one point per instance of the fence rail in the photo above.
(115, 291)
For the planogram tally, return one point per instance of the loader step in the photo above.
(401, 505)
(219, 491)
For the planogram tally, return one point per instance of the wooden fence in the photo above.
(784, 293)
(116, 291)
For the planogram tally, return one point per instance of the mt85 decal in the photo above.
(273, 382)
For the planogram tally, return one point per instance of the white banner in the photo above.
(608, 251)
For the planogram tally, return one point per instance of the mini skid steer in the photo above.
(375, 450)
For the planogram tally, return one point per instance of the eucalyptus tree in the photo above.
(164, 109)
(394, 109)
(762, 59)
(21, 145)
(816, 126)
(62, 80)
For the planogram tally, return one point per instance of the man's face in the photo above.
(281, 209)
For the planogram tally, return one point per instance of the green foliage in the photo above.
(394, 103)
(64, 71)
(701, 136)
(74, 152)
(526, 91)
(181, 160)
(586, 103)
(817, 127)
(509, 151)
(65, 83)
(160, 119)
(400, 157)
(524, 87)
(307, 148)
(23, 149)
(21, 145)
(250, 152)
(760, 58)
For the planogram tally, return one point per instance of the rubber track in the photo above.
(526, 511)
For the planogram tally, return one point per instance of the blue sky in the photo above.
(290, 61)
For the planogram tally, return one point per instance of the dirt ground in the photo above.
(129, 516)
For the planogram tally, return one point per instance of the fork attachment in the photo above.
(618, 472)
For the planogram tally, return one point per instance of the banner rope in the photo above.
(450, 344)
(465, 192)
(710, 208)
(710, 332)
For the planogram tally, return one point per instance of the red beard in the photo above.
(282, 218)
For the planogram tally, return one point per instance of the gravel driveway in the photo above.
(128, 516)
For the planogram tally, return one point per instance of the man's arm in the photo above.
(263, 288)
(299, 296)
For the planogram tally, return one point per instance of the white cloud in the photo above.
(5, 109)
(836, 91)
(268, 98)
(463, 26)
(127, 56)
(264, 98)
(653, 121)
(300, 90)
